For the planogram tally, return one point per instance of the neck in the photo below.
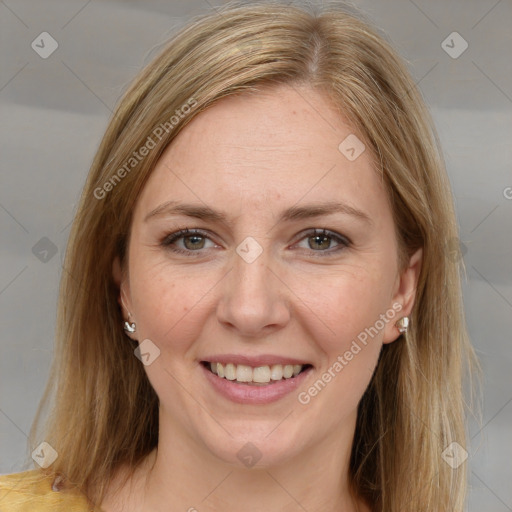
(183, 475)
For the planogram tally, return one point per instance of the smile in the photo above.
(259, 375)
(258, 380)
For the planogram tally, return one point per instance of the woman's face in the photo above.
(290, 260)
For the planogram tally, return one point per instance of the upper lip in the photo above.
(254, 361)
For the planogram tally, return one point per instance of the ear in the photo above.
(123, 296)
(404, 296)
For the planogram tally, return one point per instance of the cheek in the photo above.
(343, 304)
(351, 306)
(171, 304)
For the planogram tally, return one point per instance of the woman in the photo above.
(258, 309)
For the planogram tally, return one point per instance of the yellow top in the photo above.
(31, 491)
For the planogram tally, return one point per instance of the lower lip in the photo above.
(250, 394)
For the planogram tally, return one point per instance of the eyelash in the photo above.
(343, 241)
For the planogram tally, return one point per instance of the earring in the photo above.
(129, 327)
(403, 324)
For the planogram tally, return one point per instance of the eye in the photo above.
(189, 241)
(323, 240)
(186, 241)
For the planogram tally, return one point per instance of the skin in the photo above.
(252, 157)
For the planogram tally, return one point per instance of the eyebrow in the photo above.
(291, 214)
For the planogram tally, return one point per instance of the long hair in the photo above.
(103, 412)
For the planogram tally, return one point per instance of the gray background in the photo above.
(54, 112)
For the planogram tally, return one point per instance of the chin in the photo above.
(255, 444)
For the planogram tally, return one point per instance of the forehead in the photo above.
(282, 143)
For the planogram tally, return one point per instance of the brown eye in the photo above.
(193, 242)
(323, 241)
(187, 241)
(319, 242)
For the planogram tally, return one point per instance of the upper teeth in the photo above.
(260, 374)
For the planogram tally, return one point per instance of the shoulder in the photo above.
(32, 490)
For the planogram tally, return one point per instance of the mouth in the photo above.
(264, 375)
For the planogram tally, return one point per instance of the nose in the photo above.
(254, 301)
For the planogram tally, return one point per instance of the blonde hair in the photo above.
(105, 412)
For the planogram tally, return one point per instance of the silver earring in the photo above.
(403, 324)
(129, 327)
